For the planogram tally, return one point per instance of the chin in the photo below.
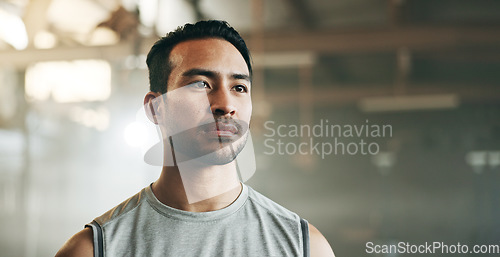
(214, 153)
(220, 157)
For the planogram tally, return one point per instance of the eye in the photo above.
(199, 85)
(240, 89)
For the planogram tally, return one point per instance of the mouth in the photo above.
(223, 129)
(226, 130)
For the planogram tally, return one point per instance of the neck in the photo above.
(194, 187)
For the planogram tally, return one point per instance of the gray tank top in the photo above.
(253, 225)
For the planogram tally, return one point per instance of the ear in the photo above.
(149, 107)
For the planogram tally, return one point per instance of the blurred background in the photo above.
(73, 75)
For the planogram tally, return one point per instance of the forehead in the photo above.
(211, 53)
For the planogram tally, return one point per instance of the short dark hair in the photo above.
(158, 61)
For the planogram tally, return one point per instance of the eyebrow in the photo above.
(213, 74)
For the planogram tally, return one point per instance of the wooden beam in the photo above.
(381, 39)
(21, 59)
(325, 41)
(349, 95)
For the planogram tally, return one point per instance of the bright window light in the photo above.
(92, 118)
(77, 17)
(44, 40)
(148, 12)
(69, 81)
(12, 30)
(135, 134)
(173, 14)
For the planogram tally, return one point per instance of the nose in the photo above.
(221, 103)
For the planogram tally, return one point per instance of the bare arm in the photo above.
(318, 244)
(79, 245)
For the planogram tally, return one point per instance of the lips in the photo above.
(225, 129)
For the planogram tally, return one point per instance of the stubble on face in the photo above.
(192, 127)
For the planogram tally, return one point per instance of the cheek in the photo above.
(189, 104)
(246, 111)
(183, 115)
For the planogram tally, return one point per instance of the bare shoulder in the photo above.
(318, 244)
(79, 245)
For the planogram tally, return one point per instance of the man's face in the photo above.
(208, 106)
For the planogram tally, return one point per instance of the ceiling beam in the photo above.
(382, 39)
(318, 42)
(352, 94)
(22, 59)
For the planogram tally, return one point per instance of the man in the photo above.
(200, 82)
